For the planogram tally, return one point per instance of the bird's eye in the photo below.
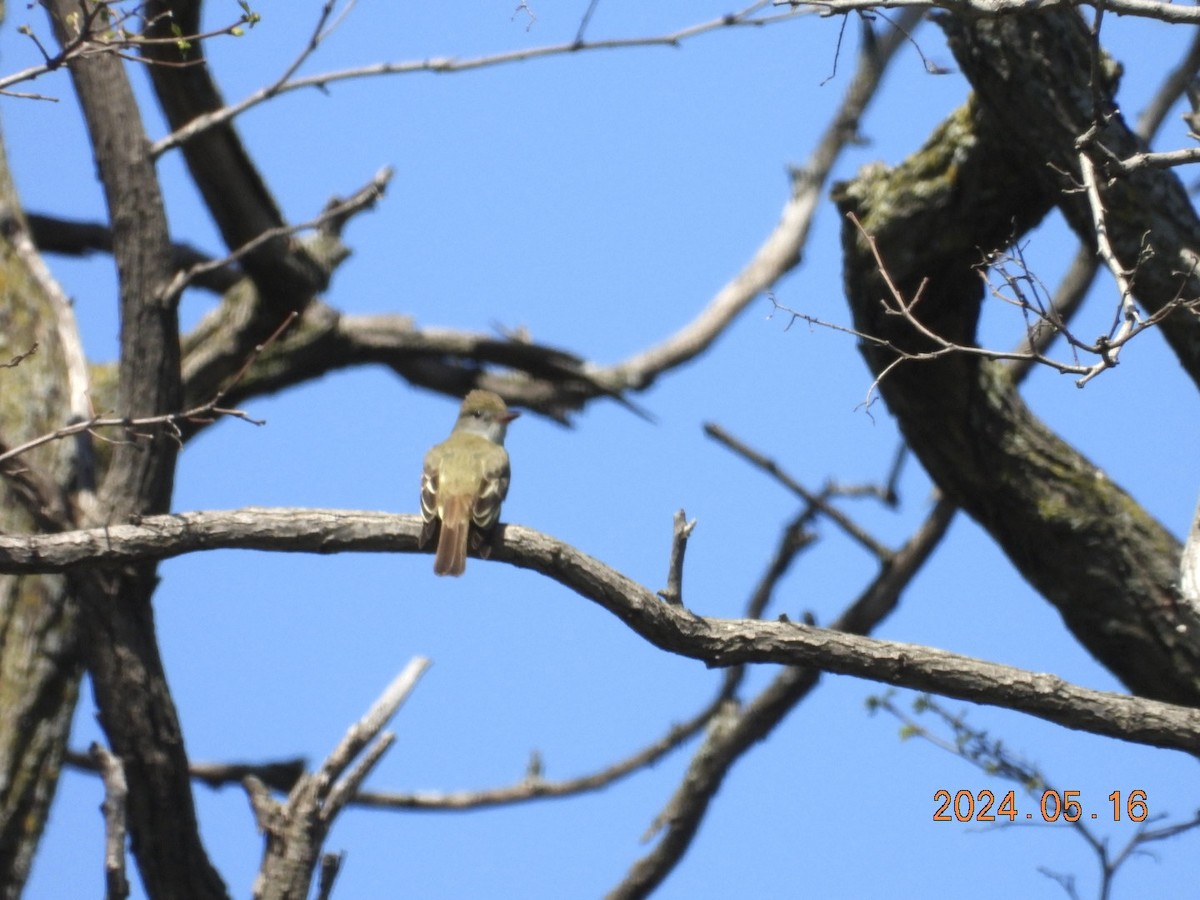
(478, 413)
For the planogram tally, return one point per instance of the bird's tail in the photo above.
(451, 557)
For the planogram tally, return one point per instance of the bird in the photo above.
(464, 481)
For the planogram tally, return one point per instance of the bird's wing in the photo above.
(493, 488)
(429, 500)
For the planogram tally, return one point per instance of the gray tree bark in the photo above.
(986, 176)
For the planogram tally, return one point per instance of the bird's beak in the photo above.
(509, 416)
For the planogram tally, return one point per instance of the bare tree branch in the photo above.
(282, 775)
(717, 642)
(1049, 321)
(541, 378)
(285, 274)
(780, 252)
(748, 16)
(1055, 112)
(295, 830)
(544, 379)
(116, 793)
(1127, 315)
(337, 212)
(535, 787)
(772, 468)
(1075, 284)
(1162, 160)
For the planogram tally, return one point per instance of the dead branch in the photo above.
(116, 792)
(444, 65)
(541, 378)
(673, 592)
(296, 829)
(535, 787)
(1164, 159)
(1051, 321)
(561, 382)
(780, 252)
(337, 212)
(1128, 313)
(282, 775)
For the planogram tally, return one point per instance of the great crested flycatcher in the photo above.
(464, 482)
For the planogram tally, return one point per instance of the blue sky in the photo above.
(600, 200)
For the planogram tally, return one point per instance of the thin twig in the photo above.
(772, 468)
(1106, 347)
(992, 757)
(109, 38)
(587, 17)
(673, 592)
(336, 211)
(535, 787)
(445, 65)
(1127, 312)
(20, 357)
(741, 727)
(205, 410)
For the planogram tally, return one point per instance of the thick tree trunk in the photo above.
(978, 184)
(134, 702)
(39, 666)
